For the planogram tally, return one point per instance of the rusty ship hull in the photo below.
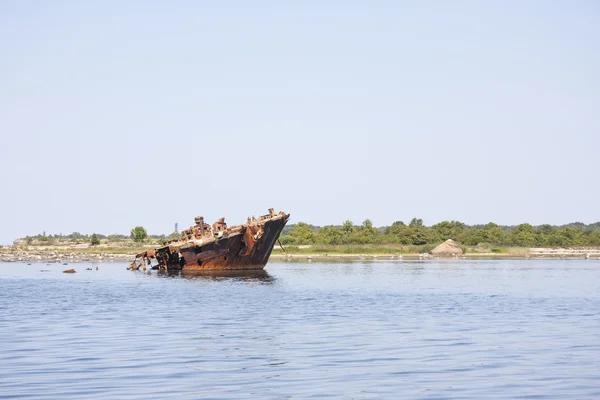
(218, 248)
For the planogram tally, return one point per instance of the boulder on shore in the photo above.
(448, 248)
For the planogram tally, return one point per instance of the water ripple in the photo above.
(361, 330)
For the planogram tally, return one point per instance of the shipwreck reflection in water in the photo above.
(256, 275)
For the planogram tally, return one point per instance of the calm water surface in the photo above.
(363, 330)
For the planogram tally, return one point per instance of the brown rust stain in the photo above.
(204, 247)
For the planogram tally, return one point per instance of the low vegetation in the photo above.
(138, 234)
(492, 237)
(348, 238)
(322, 249)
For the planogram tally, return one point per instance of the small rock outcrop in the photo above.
(448, 248)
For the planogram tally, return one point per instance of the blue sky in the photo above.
(116, 114)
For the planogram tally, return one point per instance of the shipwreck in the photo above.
(203, 247)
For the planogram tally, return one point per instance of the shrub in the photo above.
(138, 234)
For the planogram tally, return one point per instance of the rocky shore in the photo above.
(60, 257)
(53, 256)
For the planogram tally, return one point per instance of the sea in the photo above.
(355, 329)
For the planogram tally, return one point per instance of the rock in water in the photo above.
(448, 248)
(69, 271)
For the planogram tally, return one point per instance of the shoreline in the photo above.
(67, 257)
(468, 256)
(58, 257)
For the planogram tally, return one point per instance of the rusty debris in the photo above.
(205, 247)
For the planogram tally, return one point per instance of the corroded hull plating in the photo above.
(218, 248)
(230, 252)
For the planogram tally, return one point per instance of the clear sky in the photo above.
(115, 114)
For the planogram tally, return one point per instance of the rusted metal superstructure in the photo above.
(204, 247)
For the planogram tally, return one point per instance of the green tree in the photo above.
(416, 222)
(573, 236)
(473, 237)
(491, 233)
(366, 233)
(490, 225)
(302, 233)
(396, 228)
(138, 234)
(545, 229)
(330, 235)
(94, 240)
(448, 229)
(556, 239)
(347, 227)
(417, 235)
(593, 238)
(523, 235)
(399, 233)
(287, 239)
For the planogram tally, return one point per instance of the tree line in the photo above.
(138, 234)
(416, 233)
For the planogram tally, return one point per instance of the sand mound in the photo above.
(448, 248)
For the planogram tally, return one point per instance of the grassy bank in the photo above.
(122, 247)
(129, 247)
(391, 249)
(354, 249)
